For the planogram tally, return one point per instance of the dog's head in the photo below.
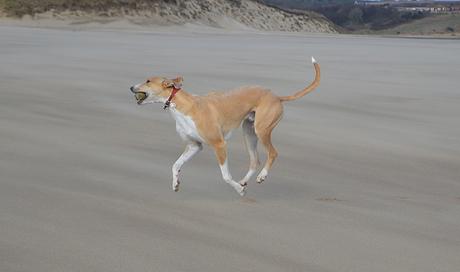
(155, 89)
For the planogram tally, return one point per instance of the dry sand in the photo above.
(368, 177)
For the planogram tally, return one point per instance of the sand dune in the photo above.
(227, 14)
(367, 179)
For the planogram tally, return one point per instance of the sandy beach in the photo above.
(367, 178)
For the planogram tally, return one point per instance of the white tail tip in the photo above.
(313, 60)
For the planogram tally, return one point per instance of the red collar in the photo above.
(173, 93)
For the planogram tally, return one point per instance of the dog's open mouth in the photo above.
(140, 97)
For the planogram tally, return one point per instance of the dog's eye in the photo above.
(148, 81)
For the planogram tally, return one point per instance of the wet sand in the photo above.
(368, 176)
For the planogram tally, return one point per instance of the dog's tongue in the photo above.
(140, 96)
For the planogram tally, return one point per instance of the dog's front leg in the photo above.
(190, 150)
(221, 153)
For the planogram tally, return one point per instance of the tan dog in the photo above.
(210, 119)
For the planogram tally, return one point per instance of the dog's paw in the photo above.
(262, 176)
(175, 186)
(241, 190)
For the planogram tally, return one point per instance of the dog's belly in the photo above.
(185, 127)
(228, 135)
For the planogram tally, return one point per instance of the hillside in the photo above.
(216, 13)
(433, 25)
(306, 4)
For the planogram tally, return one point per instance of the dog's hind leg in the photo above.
(271, 156)
(190, 150)
(221, 153)
(250, 140)
(267, 118)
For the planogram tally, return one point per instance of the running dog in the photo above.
(210, 120)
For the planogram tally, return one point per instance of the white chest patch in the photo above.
(185, 126)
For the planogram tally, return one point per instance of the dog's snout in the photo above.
(132, 89)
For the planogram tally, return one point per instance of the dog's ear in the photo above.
(176, 82)
(167, 83)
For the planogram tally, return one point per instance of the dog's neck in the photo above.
(182, 101)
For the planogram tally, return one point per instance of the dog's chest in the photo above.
(185, 126)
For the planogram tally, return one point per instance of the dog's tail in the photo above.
(310, 87)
